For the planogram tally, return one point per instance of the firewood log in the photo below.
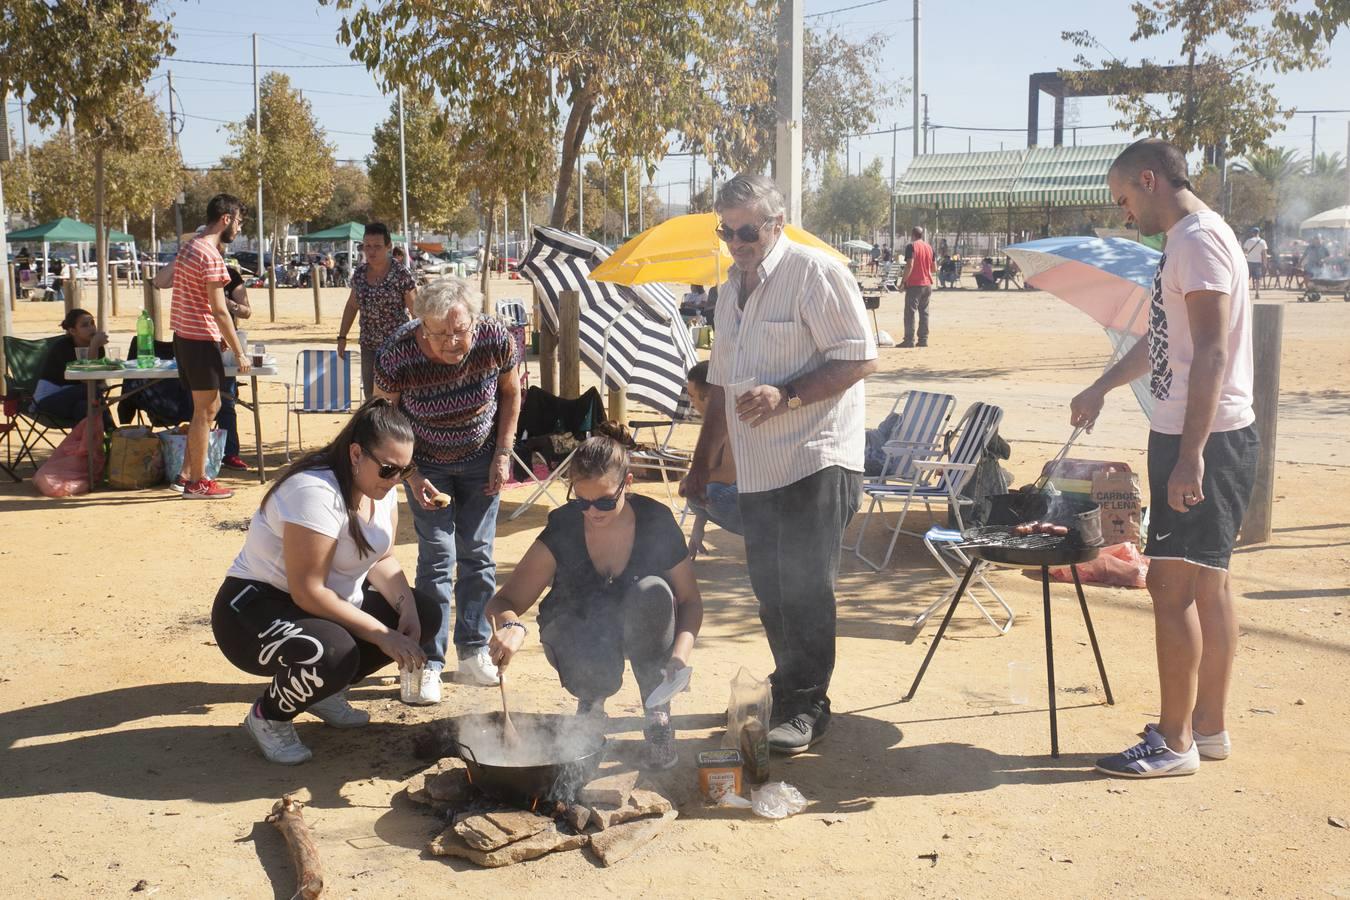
(287, 818)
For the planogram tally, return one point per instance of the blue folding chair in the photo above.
(323, 384)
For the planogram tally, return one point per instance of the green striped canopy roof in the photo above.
(1031, 177)
(1065, 176)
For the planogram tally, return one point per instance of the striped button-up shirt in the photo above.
(806, 310)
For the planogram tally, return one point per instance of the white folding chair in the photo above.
(941, 541)
(323, 384)
(513, 311)
(916, 435)
(672, 462)
(939, 480)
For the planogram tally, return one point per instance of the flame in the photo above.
(535, 805)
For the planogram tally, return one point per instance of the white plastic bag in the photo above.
(777, 800)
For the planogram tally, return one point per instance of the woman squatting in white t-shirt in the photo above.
(315, 598)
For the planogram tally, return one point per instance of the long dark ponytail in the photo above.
(375, 422)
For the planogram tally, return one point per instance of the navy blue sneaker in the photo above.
(1151, 758)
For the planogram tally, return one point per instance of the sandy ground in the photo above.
(122, 758)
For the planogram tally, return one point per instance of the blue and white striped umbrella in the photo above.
(631, 337)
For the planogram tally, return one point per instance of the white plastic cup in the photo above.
(1019, 683)
(410, 684)
(82, 353)
(113, 353)
(737, 388)
(260, 354)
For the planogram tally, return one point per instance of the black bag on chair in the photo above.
(988, 479)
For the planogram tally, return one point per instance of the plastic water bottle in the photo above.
(145, 341)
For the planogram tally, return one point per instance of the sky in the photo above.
(976, 59)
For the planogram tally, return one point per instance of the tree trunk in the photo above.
(486, 269)
(100, 238)
(578, 122)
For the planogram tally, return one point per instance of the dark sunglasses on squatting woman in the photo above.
(390, 470)
(747, 234)
(604, 504)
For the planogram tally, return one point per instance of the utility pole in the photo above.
(925, 124)
(262, 248)
(626, 231)
(1347, 162)
(403, 179)
(642, 203)
(173, 136)
(916, 85)
(788, 107)
(848, 153)
(581, 200)
(1312, 168)
(693, 179)
(27, 160)
(895, 133)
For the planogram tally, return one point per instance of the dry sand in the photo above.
(123, 760)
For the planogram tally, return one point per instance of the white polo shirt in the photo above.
(806, 310)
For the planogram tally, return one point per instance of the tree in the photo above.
(1251, 198)
(1278, 168)
(627, 74)
(292, 152)
(1327, 164)
(350, 201)
(854, 204)
(1214, 92)
(63, 177)
(79, 59)
(1316, 26)
(146, 171)
(433, 176)
(840, 96)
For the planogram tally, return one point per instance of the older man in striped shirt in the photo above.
(786, 386)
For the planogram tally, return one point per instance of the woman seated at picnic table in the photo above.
(315, 598)
(54, 394)
(620, 586)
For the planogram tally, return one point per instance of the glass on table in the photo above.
(81, 354)
(113, 354)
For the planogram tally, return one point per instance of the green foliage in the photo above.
(1216, 93)
(603, 193)
(1316, 26)
(628, 75)
(854, 204)
(840, 95)
(292, 152)
(350, 201)
(434, 196)
(1274, 165)
(1251, 199)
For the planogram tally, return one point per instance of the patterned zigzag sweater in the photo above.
(453, 408)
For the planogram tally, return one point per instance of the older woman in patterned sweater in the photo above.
(453, 373)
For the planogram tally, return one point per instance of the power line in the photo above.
(235, 65)
(844, 9)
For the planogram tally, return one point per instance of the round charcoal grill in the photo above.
(996, 543)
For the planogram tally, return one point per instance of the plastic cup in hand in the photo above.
(82, 354)
(410, 684)
(1019, 683)
(737, 388)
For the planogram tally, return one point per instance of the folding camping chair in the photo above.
(543, 415)
(941, 540)
(323, 383)
(672, 463)
(23, 363)
(513, 311)
(939, 480)
(911, 433)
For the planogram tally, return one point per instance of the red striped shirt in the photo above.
(197, 267)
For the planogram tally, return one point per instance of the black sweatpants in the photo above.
(260, 630)
(793, 539)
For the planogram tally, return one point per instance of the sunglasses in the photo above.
(746, 234)
(389, 470)
(604, 504)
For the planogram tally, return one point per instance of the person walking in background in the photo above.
(785, 384)
(1202, 453)
(453, 372)
(1257, 258)
(918, 282)
(201, 321)
(382, 291)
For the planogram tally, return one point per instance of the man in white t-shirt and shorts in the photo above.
(1256, 249)
(1202, 453)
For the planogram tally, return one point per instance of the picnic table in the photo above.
(97, 400)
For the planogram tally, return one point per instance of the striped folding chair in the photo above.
(933, 480)
(323, 384)
(513, 311)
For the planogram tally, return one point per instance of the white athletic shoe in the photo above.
(429, 691)
(277, 740)
(1151, 758)
(337, 712)
(478, 669)
(1211, 746)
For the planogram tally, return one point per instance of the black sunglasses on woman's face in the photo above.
(390, 470)
(604, 504)
(746, 234)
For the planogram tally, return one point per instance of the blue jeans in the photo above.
(454, 554)
(723, 507)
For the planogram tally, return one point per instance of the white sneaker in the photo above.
(277, 740)
(1211, 746)
(429, 691)
(478, 669)
(1151, 758)
(338, 713)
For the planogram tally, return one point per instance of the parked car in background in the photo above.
(248, 260)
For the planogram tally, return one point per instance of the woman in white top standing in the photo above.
(315, 598)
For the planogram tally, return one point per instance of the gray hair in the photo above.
(749, 189)
(434, 300)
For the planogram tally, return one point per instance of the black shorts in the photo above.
(1205, 534)
(1255, 270)
(200, 365)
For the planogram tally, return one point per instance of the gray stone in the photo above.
(490, 830)
(640, 803)
(611, 790)
(448, 843)
(450, 787)
(622, 841)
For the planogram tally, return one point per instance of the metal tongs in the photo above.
(1041, 482)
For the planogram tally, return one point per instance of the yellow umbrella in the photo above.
(683, 250)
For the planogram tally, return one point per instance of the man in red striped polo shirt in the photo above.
(200, 322)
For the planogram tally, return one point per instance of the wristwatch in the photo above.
(793, 401)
